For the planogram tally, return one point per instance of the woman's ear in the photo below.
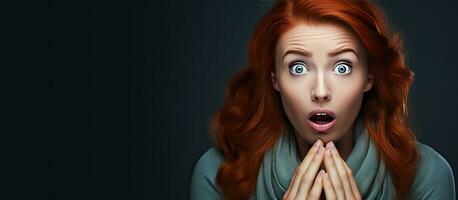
(369, 83)
(274, 81)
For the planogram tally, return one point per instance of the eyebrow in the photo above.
(303, 52)
(341, 51)
(306, 53)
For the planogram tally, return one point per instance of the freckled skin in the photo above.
(320, 86)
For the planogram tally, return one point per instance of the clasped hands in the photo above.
(337, 180)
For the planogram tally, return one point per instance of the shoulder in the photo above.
(203, 183)
(208, 163)
(434, 178)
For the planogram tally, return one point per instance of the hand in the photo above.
(301, 186)
(338, 182)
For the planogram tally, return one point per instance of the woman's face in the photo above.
(321, 74)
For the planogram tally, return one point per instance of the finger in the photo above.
(300, 170)
(333, 174)
(310, 154)
(343, 175)
(327, 186)
(309, 175)
(315, 192)
(354, 186)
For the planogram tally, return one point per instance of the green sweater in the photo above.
(434, 178)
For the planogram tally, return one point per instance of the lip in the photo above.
(325, 110)
(322, 127)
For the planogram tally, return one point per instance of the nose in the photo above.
(320, 92)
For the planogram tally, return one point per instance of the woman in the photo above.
(320, 113)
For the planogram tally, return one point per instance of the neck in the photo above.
(344, 145)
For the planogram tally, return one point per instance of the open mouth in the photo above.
(321, 118)
(322, 121)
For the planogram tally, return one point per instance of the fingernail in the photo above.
(318, 143)
(320, 149)
(329, 152)
(321, 172)
(331, 145)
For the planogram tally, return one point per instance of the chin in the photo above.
(324, 137)
(310, 136)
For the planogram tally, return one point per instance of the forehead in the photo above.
(320, 36)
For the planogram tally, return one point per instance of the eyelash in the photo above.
(293, 63)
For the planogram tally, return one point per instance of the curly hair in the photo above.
(252, 117)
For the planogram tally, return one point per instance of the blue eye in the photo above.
(342, 68)
(298, 68)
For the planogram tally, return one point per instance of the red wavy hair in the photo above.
(252, 117)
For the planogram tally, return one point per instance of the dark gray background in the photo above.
(112, 99)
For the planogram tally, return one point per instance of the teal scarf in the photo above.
(280, 162)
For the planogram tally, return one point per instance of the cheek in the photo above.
(349, 97)
(293, 97)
